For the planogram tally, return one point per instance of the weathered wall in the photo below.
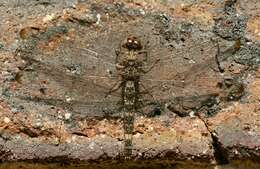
(49, 48)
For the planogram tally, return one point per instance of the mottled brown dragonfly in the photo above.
(73, 67)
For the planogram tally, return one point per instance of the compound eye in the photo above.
(130, 41)
(135, 42)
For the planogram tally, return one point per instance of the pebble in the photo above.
(192, 114)
(142, 12)
(192, 61)
(7, 120)
(92, 145)
(68, 99)
(38, 124)
(137, 135)
(205, 152)
(67, 116)
(73, 138)
(59, 117)
(56, 141)
(98, 18)
(48, 18)
(236, 152)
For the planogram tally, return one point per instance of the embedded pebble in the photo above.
(7, 120)
(67, 116)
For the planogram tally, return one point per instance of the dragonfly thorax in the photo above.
(131, 57)
(131, 73)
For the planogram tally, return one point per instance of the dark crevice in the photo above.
(220, 153)
(78, 133)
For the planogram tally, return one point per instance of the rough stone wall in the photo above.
(53, 53)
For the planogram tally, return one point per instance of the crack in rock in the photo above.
(220, 153)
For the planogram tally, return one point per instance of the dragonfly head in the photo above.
(133, 43)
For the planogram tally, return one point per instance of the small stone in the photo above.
(56, 141)
(195, 125)
(48, 18)
(98, 18)
(38, 125)
(109, 72)
(204, 152)
(142, 12)
(67, 116)
(68, 99)
(191, 61)
(137, 135)
(192, 114)
(7, 120)
(59, 117)
(92, 145)
(73, 138)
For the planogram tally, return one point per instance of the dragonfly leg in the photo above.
(145, 49)
(147, 91)
(144, 52)
(140, 111)
(118, 52)
(115, 87)
(153, 65)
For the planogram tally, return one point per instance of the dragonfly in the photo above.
(74, 67)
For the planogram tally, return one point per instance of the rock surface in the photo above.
(208, 115)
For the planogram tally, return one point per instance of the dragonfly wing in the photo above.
(72, 63)
(79, 109)
(186, 73)
(63, 77)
